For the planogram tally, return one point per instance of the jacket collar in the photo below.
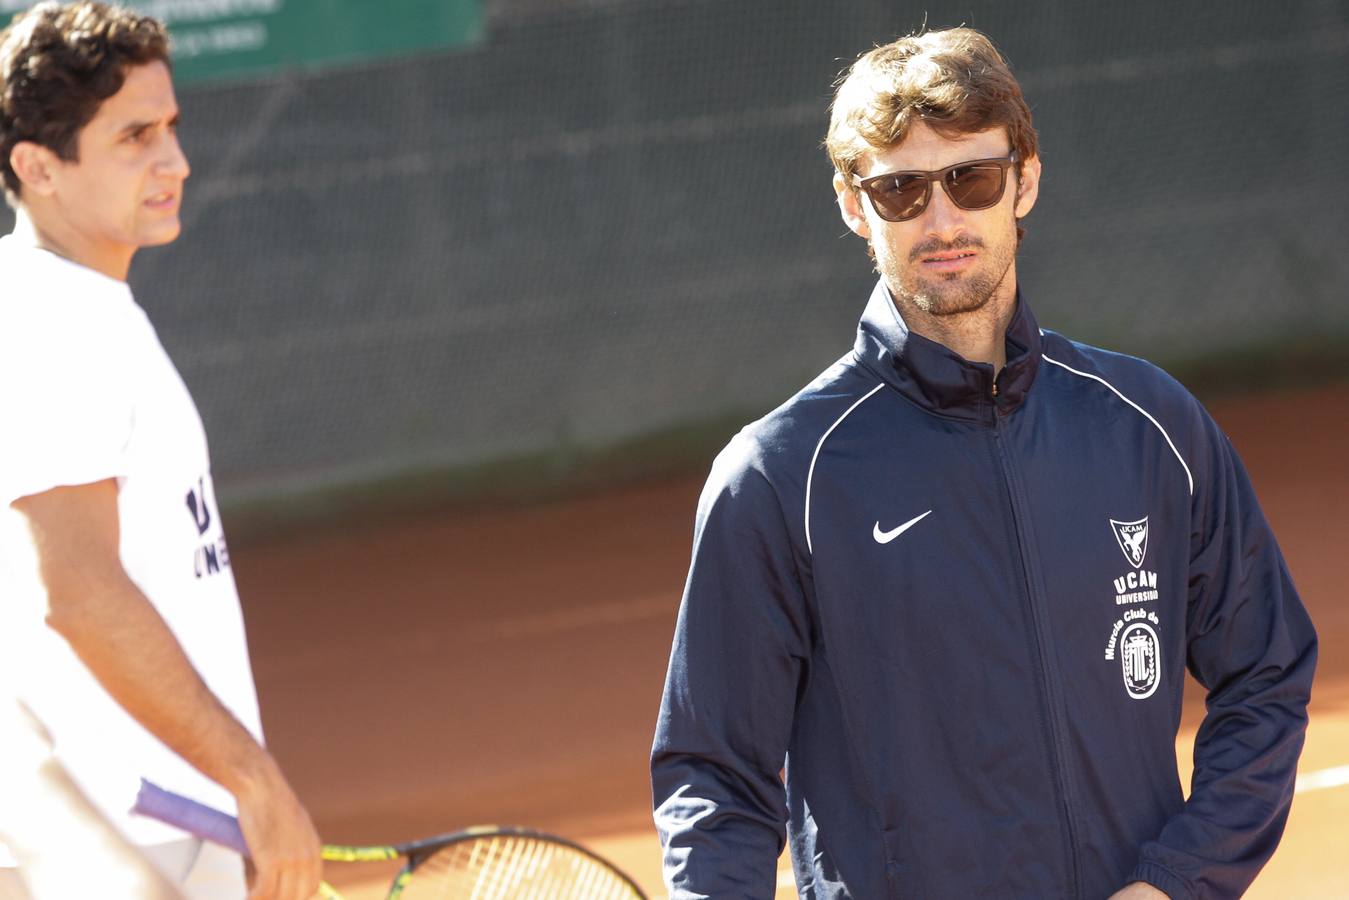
(938, 379)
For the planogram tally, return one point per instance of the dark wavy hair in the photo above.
(58, 63)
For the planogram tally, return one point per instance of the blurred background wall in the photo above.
(601, 234)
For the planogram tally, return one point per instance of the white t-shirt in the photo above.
(88, 393)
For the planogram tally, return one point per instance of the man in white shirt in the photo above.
(122, 627)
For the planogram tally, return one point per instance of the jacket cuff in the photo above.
(1163, 880)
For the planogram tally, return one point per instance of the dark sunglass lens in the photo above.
(975, 187)
(898, 198)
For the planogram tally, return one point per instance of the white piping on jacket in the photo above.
(810, 474)
(1145, 413)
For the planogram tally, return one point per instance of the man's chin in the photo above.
(958, 309)
(944, 304)
(164, 234)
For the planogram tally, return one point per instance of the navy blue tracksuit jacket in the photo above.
(959, 611)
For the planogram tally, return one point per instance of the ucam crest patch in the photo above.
(1133, 539)
(1140, 656)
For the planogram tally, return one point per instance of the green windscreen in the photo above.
(216, 40)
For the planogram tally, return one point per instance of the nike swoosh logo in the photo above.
(885, 537)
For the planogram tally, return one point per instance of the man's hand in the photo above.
(1139, 890)
(285, 847)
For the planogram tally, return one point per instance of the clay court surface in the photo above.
(505, 666)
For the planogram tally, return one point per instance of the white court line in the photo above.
(1322, 780)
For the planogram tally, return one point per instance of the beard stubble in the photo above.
(950, 294)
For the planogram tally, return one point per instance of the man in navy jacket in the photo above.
(953, 585)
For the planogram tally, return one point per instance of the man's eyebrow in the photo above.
(136, 127)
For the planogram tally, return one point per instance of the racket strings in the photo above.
(512, 867)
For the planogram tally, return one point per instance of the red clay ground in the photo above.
(506, 666)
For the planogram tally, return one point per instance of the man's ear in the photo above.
(1028, 187)
(850, 207)
(35, 165)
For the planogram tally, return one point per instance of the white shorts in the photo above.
(216, 874)
(202, 871)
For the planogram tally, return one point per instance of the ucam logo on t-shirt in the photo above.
(213, 555)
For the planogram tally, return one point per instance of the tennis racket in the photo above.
(482, 863)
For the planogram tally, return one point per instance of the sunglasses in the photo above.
(900, 196)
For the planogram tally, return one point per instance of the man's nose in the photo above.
(943, 219)
(173, 161)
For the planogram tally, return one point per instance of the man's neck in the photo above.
(978, 336)
(71, 245)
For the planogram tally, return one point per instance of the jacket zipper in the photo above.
(1039, 616)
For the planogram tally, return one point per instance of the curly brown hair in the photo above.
(954, 81)
(58, 63)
